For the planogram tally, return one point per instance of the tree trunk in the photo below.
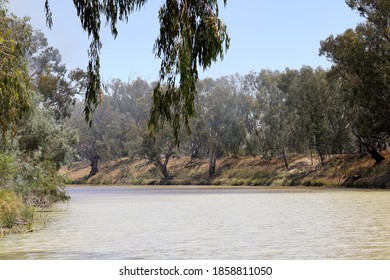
(194, 151)
(371, 150)
(94, 165)
(212, 161)
(285, 159)
(321, 156)
(163, 165)
(164, 171)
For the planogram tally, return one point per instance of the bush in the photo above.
(40, 185)
(10, 208)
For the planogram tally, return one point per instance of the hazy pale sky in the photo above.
(272, 34)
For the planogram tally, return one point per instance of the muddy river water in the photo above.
(207, 223)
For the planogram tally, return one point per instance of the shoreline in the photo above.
(345, 170)
(221, 188)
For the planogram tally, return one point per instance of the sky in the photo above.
(265, 34)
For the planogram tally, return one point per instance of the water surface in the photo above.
(206, 223)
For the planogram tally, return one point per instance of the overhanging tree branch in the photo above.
(191, 35)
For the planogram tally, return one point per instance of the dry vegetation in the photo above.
(337, 171)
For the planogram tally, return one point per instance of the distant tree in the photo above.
(191, 35)
(90, 145)
(276, 123)
(158, 151)
(118, 124)
(267, 119)
(131, 102)
(219, 125)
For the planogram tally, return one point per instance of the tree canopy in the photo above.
(191, 35)
(15, 34)
(361, 58)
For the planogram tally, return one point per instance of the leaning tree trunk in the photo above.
(94, 165)
(163, 165)
(371, 150)
(164, 171)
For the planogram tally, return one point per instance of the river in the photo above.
(207, 223)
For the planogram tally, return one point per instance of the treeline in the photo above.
(322, 112)
(344, 109)
(269, 114)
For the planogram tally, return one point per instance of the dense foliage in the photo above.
(361, 60)
(14, 42)
(35, 99)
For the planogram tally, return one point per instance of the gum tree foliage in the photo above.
(15, 35)
(191, 35)
(94, 143)
(218, 130)
(294, 111)
(361, 59)
(50, 78)
(316, 119)
(158, 151)
(119, 123)
(131, 102)
(43, 145)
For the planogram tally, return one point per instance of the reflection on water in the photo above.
(202, 223)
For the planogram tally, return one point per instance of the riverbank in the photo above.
(353, 170)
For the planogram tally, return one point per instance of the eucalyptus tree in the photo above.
(277, 118)
(90, 145)
(131, 102)
(219, 125)
(50, 78)
(118, 123)
(361, 60)
(267, 117)
(158, 150)
(191, 35)
(15, 35)
(252, 111)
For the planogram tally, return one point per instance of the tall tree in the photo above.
(361, 59)
(191, 35)
(219, 125)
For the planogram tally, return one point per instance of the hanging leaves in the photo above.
(191, 35)
(14, 97)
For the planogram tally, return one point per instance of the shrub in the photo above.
(40, 185)
(10, 207)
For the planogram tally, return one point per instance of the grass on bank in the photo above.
(304, 170)
(13, 212)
